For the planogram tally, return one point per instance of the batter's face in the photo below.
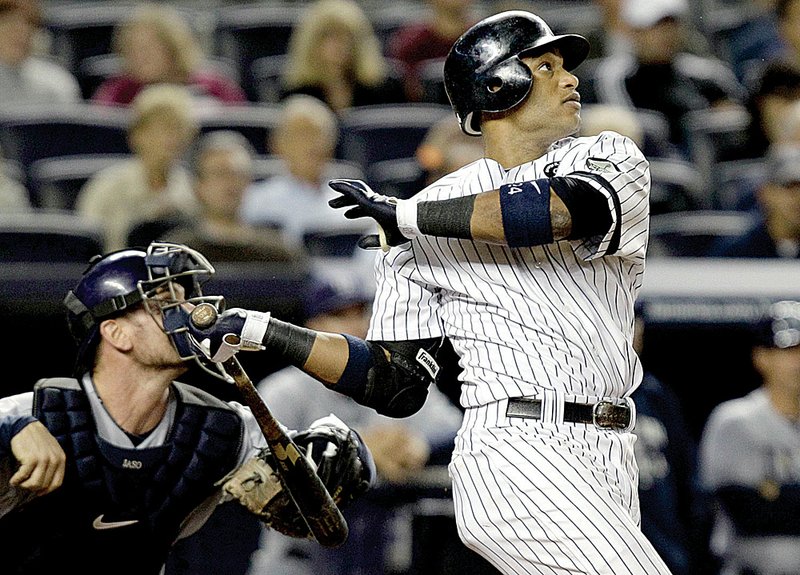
(552, 109)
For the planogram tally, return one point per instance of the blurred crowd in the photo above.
(218, 125)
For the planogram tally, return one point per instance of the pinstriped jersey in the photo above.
(556, 317)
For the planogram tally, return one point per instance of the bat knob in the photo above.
(203, 316)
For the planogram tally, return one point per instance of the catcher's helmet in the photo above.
(483, 71)
(113, 284)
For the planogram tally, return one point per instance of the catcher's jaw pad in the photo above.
(340, 457)
(170, 265)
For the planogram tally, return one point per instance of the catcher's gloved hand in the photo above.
(234, 330)
(367, 203)
(342, 460)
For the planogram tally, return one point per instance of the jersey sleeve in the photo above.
(403, 309)
(615, 166)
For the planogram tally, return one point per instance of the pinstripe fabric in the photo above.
(553, 322)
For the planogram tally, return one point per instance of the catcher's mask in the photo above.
(483, 71)
(115, 283)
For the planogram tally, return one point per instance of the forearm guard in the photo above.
(397, 384)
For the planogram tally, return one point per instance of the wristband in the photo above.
(525, 208)
(407, 218)
(253, 330)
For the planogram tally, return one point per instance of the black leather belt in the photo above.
(602, 414)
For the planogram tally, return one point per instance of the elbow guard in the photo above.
(398, 381)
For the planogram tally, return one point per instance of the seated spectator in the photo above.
(14, 196)
(768, 34)
(415, 43)
(338, 301)
(750, 456)
(660, 74)
(153, 183)
(446, 148)
(297, 199)
(157, 45)
(777, 89)
(776, 230)
(26, 78)
(335, 56)
(222, 169)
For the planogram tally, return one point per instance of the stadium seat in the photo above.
(370, 134)
(28, 134)
(713, 136)
(255, 121)
(45, 236)
(244, 33)
(55, 182)
(676, 186)
(692, 233)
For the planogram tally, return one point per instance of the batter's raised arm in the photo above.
(391, 377)
(521, 214)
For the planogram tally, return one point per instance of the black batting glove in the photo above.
(368, 204)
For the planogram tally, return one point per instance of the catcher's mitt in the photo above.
(342, 461)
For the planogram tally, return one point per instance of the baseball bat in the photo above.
(298, 477)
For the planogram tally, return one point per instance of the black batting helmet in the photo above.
(483, 71)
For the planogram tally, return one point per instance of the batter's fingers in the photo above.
(342, 202)
(370, 242)
(355, 213)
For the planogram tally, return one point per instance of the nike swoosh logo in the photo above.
(99, 524)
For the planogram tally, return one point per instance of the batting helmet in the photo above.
(115, 283)
(483, 71)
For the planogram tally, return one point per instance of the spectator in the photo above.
(297, 199)
(444, 149)
(14, 196)
(750, 456)
(153, 183)
(419, 42)
(222, 169)
(157, 45)
(775, 232)
(777, 89)
(788, 14)
(675, 511)
(24, 77)
(335, 55)
(401, 448)
(660, 74)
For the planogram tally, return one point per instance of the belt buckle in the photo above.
(603, 410)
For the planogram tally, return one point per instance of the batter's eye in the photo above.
(494, 85)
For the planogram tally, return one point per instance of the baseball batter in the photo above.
(527, 262)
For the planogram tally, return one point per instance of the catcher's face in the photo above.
(552, 109)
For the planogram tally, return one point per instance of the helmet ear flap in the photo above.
(505, 86)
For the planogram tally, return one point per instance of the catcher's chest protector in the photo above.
(128, 504)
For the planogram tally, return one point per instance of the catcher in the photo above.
(104, 472)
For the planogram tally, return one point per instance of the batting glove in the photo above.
(235, 330)
(368, 204)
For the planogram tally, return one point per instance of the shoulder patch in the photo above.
(601, 165)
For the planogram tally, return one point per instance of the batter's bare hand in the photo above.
(365, 203)
(42, 461)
